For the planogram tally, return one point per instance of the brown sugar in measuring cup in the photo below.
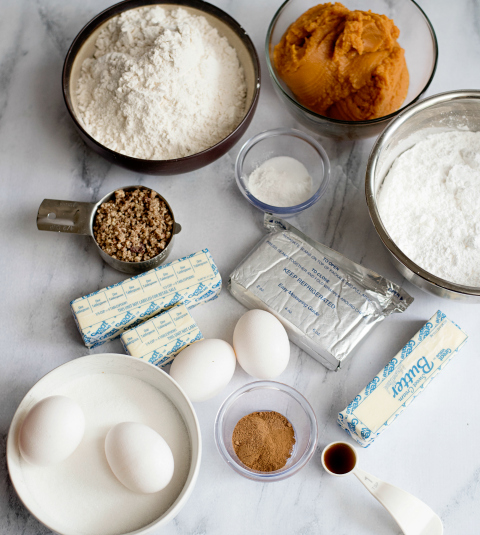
(134, 226)
(79, 217)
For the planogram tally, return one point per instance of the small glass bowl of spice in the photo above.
(266, 431)
(282, 171)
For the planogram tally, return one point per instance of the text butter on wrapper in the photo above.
(326, 302)
(390, 392)
(106, 314)
(161, 338)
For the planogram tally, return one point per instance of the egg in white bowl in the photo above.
(51, 431)
(81, 495)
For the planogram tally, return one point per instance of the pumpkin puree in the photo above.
(344, 64)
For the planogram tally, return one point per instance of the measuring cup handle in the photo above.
(371, 483)
(66, 216)
(412, 515)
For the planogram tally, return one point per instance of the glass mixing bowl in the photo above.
(283, 142)
(267, 396)
(417, 37)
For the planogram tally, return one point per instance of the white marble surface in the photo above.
(431, 451)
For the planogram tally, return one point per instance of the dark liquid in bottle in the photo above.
(340, 459)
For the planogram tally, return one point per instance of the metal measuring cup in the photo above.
(78, 218)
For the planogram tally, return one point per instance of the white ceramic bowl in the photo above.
(90, 366)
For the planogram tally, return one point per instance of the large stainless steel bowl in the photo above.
(455, 110)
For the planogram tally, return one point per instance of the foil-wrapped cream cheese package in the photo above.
(326, 302)
(104, 315)
(161, 338)
(390, 392)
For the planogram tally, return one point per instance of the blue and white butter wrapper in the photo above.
(161, 338)
(104, 315)
(390, 392)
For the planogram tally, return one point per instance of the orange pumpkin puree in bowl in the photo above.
(344, 64)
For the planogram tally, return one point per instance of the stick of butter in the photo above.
(389, 393)
(104, 315)
(161, 338)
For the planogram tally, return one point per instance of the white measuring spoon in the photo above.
(412, 515)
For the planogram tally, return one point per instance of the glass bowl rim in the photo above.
(308, 111)
(293, 132)
(266, 476)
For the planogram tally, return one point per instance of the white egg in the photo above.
(261, 344)
(139, 457)
(204, 369)
(51, 431)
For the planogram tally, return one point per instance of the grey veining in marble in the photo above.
(431, 451)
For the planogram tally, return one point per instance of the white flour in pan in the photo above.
(430, 205)
(161, 85)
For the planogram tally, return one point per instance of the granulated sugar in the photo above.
(82, 494)
(429, 204)
(281, 181)
(162, 84)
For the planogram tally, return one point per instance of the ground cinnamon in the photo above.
(263, 441)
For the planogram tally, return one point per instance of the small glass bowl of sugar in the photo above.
(282, 171)
(267, 396)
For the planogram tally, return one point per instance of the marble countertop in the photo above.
(432, 450)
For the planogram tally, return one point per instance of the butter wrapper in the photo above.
(104, 315)
(390, 392)
(326, 302)
(160, 339)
